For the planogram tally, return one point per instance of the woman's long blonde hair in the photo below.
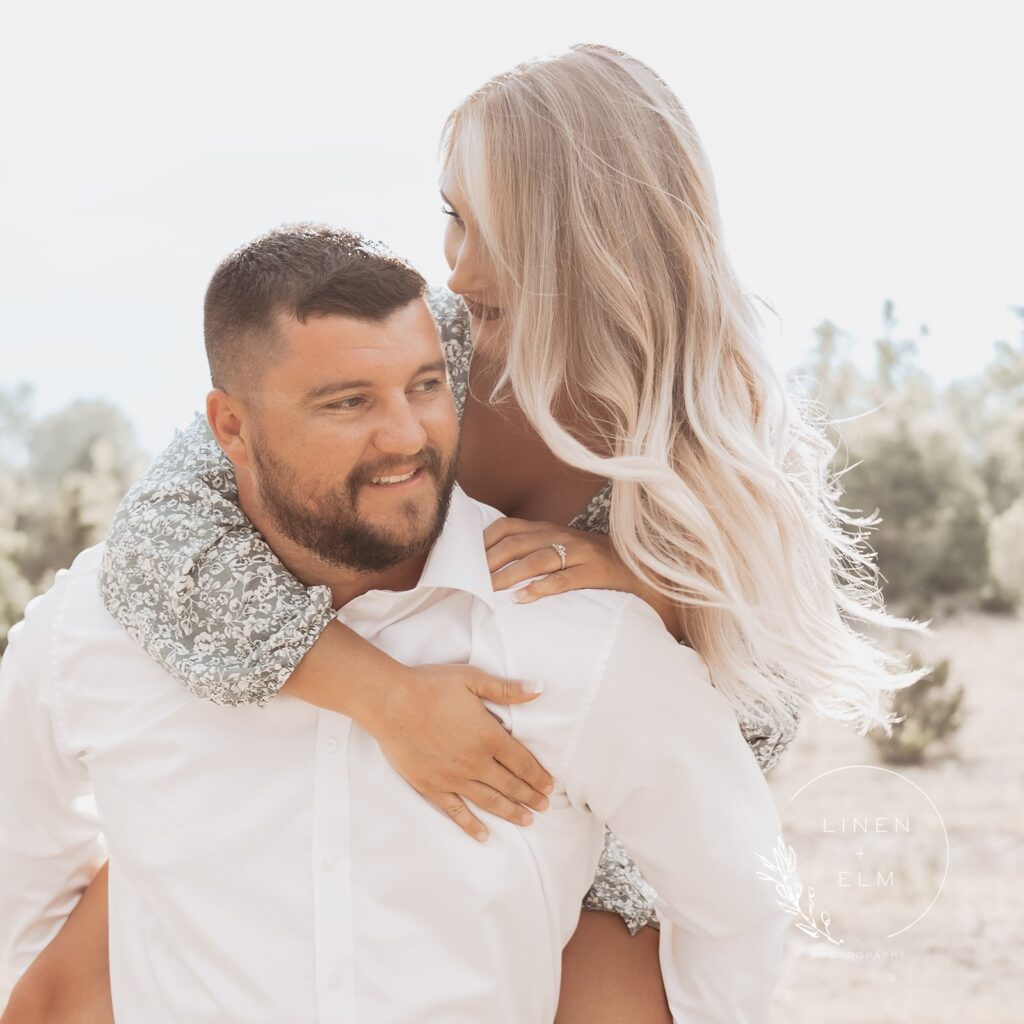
(594, 197)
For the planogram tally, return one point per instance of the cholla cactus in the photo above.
(928, 715)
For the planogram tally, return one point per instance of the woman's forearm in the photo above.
(343, 672)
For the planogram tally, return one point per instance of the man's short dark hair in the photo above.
(299, 270)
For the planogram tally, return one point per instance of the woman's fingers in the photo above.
(455, 808)
(503, 691)
(539, 563)
(525, 770)
(446, 743)
(509, 526)
(489, 799)
(509, 549)
(554, 583)
(525, 767)
(509, 785)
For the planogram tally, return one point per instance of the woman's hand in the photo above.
(439, 737)
(518, 549)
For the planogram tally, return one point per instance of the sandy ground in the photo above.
(964, 961)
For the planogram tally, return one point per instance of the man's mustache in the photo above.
(429, 459)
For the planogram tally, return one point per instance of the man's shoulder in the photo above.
(586, 614)
(86, 562)
(72, 602)
(573, 634)
(72, 597)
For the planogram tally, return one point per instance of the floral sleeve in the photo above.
(193, 582)
(196, 585)
(769, 742)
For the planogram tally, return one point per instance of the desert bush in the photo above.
(933, 535)
(61, 478)
(1006, 549)
(935, 464)
(929, 714)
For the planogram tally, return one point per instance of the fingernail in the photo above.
(543, 805)
(481, 837)
(548, 787)
(525, 819)
(531, 686)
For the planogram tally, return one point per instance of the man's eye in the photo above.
(430, 385)
(345, 403)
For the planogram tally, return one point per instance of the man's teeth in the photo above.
(393, 479)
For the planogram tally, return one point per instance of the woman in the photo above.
(615, 369)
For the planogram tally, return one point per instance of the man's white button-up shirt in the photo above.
(268, 864)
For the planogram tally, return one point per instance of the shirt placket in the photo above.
(332, 873)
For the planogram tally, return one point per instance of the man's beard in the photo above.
(328, 524)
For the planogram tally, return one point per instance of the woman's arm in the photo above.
(196, 585)
(193, 582)
(431, 725)
(768, 738)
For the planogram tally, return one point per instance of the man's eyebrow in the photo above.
(332, 387)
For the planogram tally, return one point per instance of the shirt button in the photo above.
(332, 745)
(333, 979)
(328, 863)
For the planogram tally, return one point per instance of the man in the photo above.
(268, 865)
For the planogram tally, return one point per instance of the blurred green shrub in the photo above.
(939, 466)
(929, 713)
(1006, 550)
(61, 478)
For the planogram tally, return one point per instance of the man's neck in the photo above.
(345, 584)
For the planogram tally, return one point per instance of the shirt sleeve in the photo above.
(50, 845)
(662, 761)
(193, 582)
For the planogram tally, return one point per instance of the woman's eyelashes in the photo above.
(448, 211)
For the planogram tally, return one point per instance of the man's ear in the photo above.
(227, 417)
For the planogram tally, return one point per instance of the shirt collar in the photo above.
(458, 559)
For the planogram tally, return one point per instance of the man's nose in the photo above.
(401, 432)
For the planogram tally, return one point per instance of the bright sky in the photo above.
(861, 152)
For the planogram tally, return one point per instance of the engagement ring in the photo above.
(560, 551)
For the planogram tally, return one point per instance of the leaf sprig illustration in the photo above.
(781, 872)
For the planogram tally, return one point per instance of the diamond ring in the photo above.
(561, 552)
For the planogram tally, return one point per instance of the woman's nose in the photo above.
(467, 276)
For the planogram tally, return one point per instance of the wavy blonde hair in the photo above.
(594, 197)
